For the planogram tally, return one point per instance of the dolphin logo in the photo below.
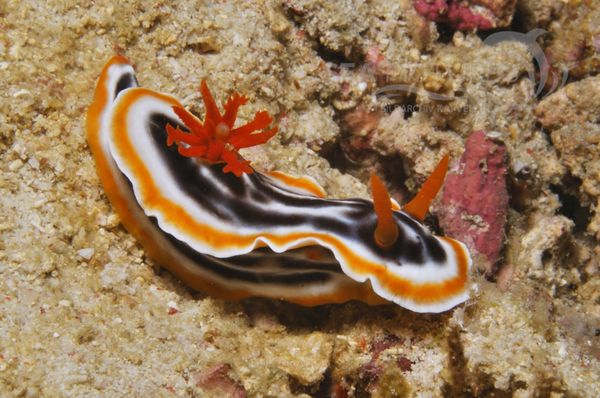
(530, 40)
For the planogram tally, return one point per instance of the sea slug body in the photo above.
(198, 208)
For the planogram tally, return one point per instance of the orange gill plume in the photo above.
(216, 139)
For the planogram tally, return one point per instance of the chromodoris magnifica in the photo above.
(181, 188)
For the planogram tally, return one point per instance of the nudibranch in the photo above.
(182, 189)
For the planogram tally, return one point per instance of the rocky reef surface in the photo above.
(357, 86)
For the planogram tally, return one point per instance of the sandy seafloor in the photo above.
(83, 311)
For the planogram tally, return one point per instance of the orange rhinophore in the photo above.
(216, 139)
(386, 232)
(419, 205)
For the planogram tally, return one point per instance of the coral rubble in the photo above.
(468, 15)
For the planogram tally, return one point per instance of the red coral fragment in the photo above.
(370, 371)
(405, 364)
(217, 379)
(458, 14)
(374, 57)
(383, 344)
(216, 139)
(339, 390)
(475, 201)
(173, 311)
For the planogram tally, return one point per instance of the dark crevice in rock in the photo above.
(349, 154)
(293, 316)
(337, 157)
(464, 383)
(320, 389)
(571, 206)
(457, 367)
(446, 33)
(334, 57)
(518, 22)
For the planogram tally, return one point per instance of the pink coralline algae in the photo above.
(373, 57)
(371, 371)
(475, 200)
(217, 380)
(467, 15)
(377, 62)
